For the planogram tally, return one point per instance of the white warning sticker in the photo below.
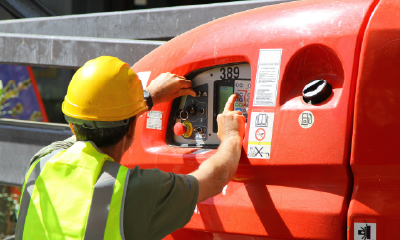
(260, 135)
(269, 64)
(144, 78)
(365, 230)
(154, 120)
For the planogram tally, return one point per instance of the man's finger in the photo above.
(230, 103)
(242, 119)
(236, 113)
(183, 83)
(185, 91)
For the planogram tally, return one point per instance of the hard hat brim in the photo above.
(106, 115)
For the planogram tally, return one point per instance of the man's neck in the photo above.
(115, 151)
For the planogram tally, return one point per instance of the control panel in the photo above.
(193, 120)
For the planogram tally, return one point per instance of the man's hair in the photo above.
(102, 137)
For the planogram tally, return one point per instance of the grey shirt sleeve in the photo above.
(158, 203)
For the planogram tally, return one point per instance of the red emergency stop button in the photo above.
(179, 129)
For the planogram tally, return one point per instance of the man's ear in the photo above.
(72, 128)
(132, 125)
(131, 132)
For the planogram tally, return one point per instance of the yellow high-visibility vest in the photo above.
(77, 193)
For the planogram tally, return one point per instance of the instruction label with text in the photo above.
(154, 120)
(260, 135)
(269, 64)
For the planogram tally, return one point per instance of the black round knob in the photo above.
(199, 129)
(316, 91)
(202, 111)
(192, 109)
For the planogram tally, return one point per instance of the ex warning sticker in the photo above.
(154, 120)
(260, 135)
(269, 64)
(365, 229)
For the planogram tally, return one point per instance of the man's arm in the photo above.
(168, 86)
(214, 173)
(219, 169)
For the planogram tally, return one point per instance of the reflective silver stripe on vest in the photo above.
(121, 221)
(101, 200)
(26, 197)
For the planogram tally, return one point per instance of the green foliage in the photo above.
(9, 207)
(10, 204)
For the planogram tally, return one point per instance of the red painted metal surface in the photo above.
(303, 190)
(375, 160)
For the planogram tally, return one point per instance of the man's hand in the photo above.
(231, 123)
(168, 86)
(214, 173)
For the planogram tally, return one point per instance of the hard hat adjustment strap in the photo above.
(96, 124)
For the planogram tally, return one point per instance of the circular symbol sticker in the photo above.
(260, 134)
(306, 119)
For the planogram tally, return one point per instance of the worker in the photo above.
(76, 189)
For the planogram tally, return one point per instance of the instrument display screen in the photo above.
(224, 93)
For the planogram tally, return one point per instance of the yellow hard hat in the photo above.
(104, 89)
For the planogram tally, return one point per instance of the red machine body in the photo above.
(329, 181)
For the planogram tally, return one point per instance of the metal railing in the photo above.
(20, 140)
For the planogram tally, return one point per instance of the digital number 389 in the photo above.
(229, 73)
